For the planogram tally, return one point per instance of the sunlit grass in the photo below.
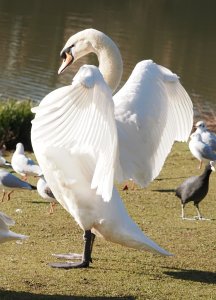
(116, 272)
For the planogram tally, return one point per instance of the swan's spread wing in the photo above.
(80, 119)
(152, 111)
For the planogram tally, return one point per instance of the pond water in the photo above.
(178, 34)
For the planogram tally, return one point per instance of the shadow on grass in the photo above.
(193, 275)
(39, 202)
(170, 178)
(13, 295)
(164, 190)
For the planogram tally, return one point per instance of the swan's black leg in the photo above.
(92, 242)
(86, 257)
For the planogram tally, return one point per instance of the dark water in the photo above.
(179, 34)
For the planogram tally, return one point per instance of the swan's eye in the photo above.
(67, 50)
(63, 55)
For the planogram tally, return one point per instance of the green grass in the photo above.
(116, 272)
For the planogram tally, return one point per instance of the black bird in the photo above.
(195, 189)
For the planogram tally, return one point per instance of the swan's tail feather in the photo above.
(131, 236)
(150, 245)
(140, 241)
(118, 227)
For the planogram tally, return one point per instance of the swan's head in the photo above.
(78, 45)
(20, 148)
(108, 54)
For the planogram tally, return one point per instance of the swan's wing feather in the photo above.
(152, 111)
(80, 118)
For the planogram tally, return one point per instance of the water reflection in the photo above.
(178, 34)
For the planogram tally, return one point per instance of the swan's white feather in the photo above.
(80, 119)
(74, 138)
(152, 110)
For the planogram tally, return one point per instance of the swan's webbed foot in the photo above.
(68, 256)
(86, 256)
(70, 265)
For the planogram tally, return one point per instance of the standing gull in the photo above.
(202, 151)
(6, 234)
(207, 136)
(24, 165)
(83, 138)
(10, 182)
(195, 189)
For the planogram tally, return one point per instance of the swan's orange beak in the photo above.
(66, 62)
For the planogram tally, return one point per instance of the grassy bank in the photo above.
(15, 123)
(116, 272)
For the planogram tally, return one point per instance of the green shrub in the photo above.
(15, 123)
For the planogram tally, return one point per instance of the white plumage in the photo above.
(81, 140)
(152, 110)
(200, 150)
(207, 136)
(24, 165)
(6, 234)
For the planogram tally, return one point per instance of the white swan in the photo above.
(6, 234)
(24, 165)
(81, 140)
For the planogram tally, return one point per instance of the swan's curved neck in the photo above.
(110, 61)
